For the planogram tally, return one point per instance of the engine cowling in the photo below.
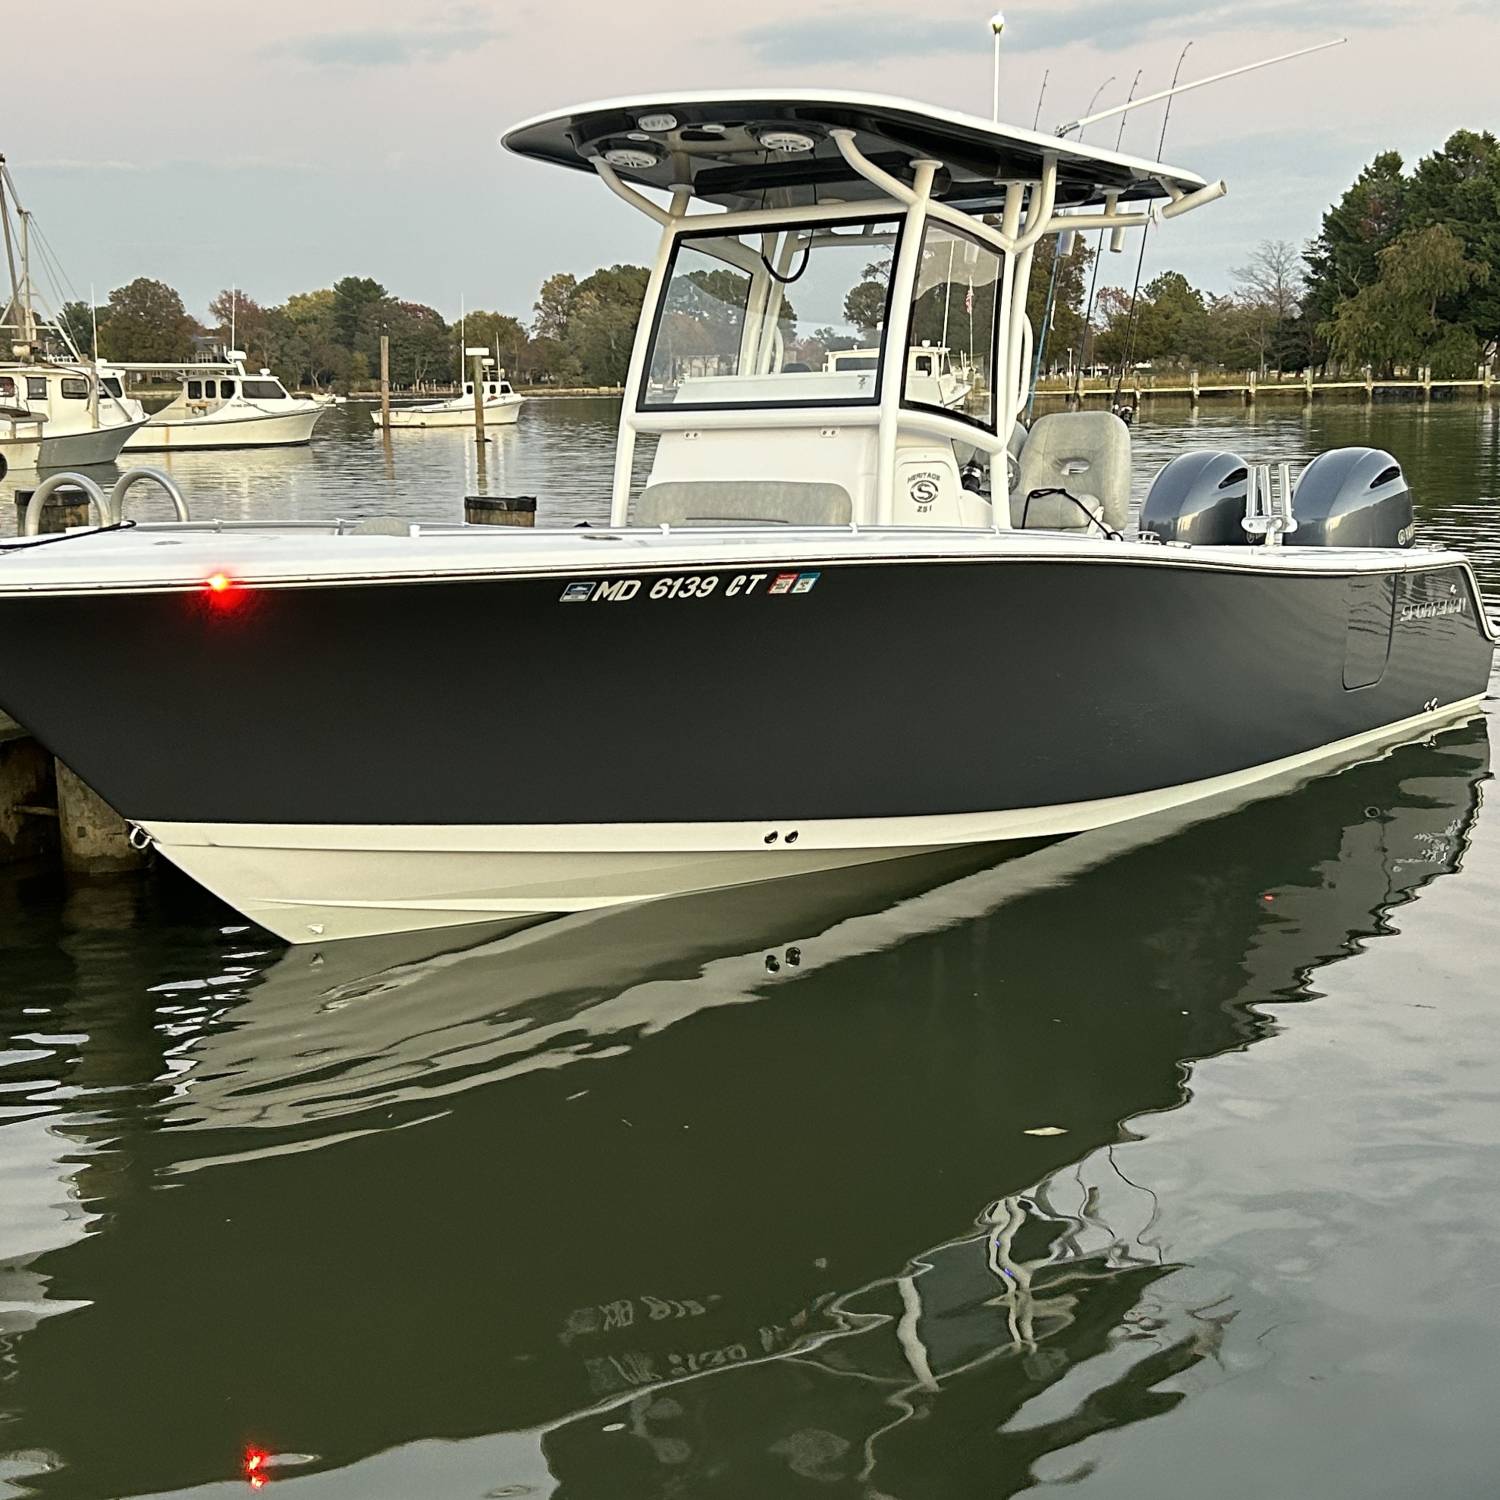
(1352, 497)
(1198, 498)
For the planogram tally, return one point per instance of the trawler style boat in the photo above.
(502, 406)
(837, 623)
(931, 377)
(56, 415)
(223, 405)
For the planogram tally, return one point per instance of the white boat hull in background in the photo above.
(228, 427)
(496, 414)
(68, 450)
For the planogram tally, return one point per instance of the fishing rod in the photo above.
(1196, 83)
(1088, 314)
(1140, 259)
(1057, 255)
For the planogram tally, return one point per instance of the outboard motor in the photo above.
(1352, 497)
(1199, 498)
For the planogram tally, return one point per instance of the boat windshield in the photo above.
(752, 318)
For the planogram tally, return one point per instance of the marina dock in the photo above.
(1250, 390)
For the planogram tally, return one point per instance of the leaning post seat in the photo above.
(739, 502)
(1086, 453)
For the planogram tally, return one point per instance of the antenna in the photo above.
(1041, 94)
(997, 25)
(1197, 83)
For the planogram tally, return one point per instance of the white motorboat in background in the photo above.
(62, 416)
(930, 376)
(56, 409)
(223, 405)
(502, 406)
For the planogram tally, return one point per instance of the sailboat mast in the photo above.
(28, 313)
(7, 191)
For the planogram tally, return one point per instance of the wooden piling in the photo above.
(1307, 386)
(1370, 384)
(1249, 387)
(1193, 388)
(478, 398)
(65, 507)
(385, 381)
(28, 797)
(500, 510)
(95, 838)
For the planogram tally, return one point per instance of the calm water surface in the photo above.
(1159, 1162)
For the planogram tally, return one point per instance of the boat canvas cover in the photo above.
(714, 144)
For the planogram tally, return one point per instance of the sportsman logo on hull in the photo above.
(686, 586)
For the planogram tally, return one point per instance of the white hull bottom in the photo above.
(276, 430)
(314, 883)
(502, 414)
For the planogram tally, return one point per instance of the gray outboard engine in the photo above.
(1199, 498)
(1352, 497)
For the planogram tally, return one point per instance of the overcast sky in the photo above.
(284, 143)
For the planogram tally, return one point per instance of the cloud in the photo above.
(861, 37)
(462, 31)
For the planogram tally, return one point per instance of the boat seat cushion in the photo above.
(379, 526)
(735, 502)
(1083, 452)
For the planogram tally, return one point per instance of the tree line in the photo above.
(1404, 272)
(580, 332)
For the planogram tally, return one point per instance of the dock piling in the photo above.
(500, 510)
(64, 507)
(385, 381)
(95, 838)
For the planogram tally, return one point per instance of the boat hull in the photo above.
(498, 414)
(273, 430)
(354, 757)
(68, 450)
(74, 450)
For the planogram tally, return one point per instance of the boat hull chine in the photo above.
(318, 883)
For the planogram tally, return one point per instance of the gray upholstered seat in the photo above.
(738, 502)
(1086, 453)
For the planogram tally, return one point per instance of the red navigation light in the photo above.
(255, 1467)
(218, 583)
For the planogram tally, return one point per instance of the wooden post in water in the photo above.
(1193, 388)
(479, 397)
(1426, 385)
(385, 381)
(1370, 384)
(500, 510)
(1307, 385)
(28, 797)
(95, 838)
(65, 507)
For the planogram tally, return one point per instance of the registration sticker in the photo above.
(578, 593)
(783, 583)
(804, 583)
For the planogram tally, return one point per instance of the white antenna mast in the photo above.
(997, 25)
(1197, 83)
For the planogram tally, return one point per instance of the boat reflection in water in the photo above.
(563, 1207)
